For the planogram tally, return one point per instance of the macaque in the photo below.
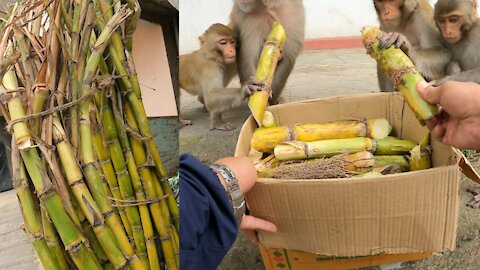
(411, 27)
(206, 73)
(460, 31)
(252, 21)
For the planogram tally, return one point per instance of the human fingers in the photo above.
(438, 132)
(257, 224)
(429, 93)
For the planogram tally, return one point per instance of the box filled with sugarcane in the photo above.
(396, 207)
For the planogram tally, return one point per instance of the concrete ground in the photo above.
(319, 74)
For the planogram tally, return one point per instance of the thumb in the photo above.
(429, 93)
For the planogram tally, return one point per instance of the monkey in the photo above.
(252, 21)
(207, 71)
(410, 26)
(460, 31)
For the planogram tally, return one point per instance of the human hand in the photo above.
(458, 121)
(247, 176)
(251, 224)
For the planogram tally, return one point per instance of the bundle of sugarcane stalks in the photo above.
(92, 188)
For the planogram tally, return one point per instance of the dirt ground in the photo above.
(319, 74)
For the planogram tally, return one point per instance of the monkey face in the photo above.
(389, 12)
(247, 5)
(450, 26)
(226, 47)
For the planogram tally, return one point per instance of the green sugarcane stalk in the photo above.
(87, 154)
(161, 218)
(51, 238)
(382, 161)
(109, 119)
(142, 121)
(326, 148)
(30, 213)
(68, 231)
(73, 71)
(100, 148)
(94, 244)
(401, 70)
(393, 146)
(84, 198)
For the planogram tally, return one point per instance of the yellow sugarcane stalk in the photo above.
(420, 156)
(267, 64)
(400, 69)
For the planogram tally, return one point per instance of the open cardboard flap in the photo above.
(466, 167)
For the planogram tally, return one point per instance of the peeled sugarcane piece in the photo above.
(267, 64)
(358, 161)
(367, 174)
(31, 216)
(265, 139)
(420, 156)
(301, 150)
(68, 231)
(255, 156)
(392, 146)
(382, 161)
(401, 70)
(268, 120)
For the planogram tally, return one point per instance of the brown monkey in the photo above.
(411, 27)
(206, 72)
(461, 32)
(252, 21)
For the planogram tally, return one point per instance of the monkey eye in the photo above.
(222, 42)
(453, 19)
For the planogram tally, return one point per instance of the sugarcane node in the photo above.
(97, 220)
(397, 75)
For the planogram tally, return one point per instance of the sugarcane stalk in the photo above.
(382, 161)
(84, 198)
(401, 70)
(94, 244)
(30, 213)
(265, 139)
(51, 238)
(160, 212)
(139, 193)
(103, 156)
(301, 150)
(420, 156)
(267, 64)
(74, 78)
(268, 120)
(393, 146)
(68, 231)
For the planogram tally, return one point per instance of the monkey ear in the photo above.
(409, 6)
(201, 39)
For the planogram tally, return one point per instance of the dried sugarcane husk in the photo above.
(267, 64)
(401, 70)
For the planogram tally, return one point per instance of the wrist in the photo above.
(230, 182)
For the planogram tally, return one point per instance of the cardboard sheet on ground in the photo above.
(153, 70)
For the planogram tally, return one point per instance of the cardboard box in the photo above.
(403, 213)
(283, 259)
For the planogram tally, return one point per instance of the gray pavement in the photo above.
(319, 74)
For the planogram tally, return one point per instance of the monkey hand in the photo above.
(475, 202)
(253, 85)
(395, 39)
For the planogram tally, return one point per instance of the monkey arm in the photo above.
(223, 99)
(472, 75)
(431, 62)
